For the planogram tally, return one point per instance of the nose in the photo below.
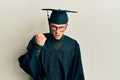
(57, 30)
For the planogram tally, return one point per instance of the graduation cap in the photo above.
(58, 16)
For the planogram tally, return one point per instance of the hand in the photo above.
(40, 39)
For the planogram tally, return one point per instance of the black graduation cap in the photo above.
(58, 16)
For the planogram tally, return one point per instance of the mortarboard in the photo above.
(58, 16)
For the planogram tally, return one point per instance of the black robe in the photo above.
(52, 64)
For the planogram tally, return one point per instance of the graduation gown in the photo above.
(51, 64)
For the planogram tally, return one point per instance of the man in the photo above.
(53, 56)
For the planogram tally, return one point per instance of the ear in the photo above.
(66, 26)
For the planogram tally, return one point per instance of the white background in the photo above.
(96, 27)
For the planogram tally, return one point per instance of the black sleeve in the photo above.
(25, 59)
(77, 71)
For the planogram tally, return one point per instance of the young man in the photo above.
(53, 56)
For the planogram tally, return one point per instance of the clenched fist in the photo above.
(40, 39)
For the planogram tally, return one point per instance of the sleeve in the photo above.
(77, 70)
(25, 60)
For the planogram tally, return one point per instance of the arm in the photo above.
(77, 72)
(30, 61)
(25, 59)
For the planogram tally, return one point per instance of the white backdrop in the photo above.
(96, 27)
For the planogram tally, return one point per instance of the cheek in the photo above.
(53, 32)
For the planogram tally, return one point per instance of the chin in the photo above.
(57, 38)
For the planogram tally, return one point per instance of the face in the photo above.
(57, 30)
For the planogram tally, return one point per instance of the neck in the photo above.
(58, 43)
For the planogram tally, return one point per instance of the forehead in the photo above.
(57, 25)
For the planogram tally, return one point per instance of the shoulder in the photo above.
(70, 41)
(46, 34)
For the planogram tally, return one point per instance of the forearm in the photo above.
(37, 49)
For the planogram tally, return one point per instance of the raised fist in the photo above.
(40, 39)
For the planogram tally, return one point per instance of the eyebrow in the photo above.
(56, 26)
